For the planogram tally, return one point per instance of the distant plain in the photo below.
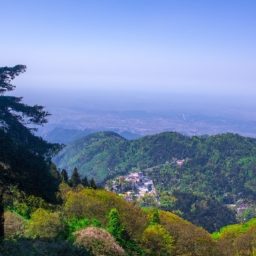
(142, 113)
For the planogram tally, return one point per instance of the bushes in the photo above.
(99, 240)
(156, 240)
(14, 225)
(45, 225)
(75, 224)
(87, 212)
(97, 204)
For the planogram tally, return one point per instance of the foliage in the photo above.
(85, 182)
(14, 225)
(64, 176)
(213, 166)
(22, 154)
(217, 170)
(188, 239)
(22, 203)
(30, 172)
(22, 168)
(115, 227)
(155, 218)
(117, 230)
(234, 230)
(99, 240)
(75, 224)
(46, 225)
(102, 152)
(201, 211)
(15, 116)
(93, 184)
(104, 155)
(238, 239)
(134, 225)
(157, 241)
(75, 178)
(90, 203)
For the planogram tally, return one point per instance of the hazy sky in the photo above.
(155, 45)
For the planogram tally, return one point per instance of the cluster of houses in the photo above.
(134, 185)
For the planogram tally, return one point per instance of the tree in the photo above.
(99, 240)
(85, 182)
(64, 176)
(156, 240)
(14, 225)
(22, 154)
(75, 178)
(93, 184)
(15, 116)
(45, 224)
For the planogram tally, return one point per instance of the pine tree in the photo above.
(85, 182)
(93, 184)
(15, 116)
(75, 178)
(64, 176)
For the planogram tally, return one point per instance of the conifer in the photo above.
(75, 178)
(64, 176)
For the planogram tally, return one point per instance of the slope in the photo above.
(106, 154)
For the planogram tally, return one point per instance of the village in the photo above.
(132, 186)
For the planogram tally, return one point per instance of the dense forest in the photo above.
(44, 211)
(213, 165)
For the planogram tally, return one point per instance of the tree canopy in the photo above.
(22, 154)
(16, 117)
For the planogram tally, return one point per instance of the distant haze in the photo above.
(142, 113)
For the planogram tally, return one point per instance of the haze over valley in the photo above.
(135, 114)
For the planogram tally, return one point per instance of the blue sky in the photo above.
(136, 45)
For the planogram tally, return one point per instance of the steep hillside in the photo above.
(106, 154)
(213, 166)
(94, 155)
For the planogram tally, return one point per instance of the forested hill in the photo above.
(107, 154)
(213, 165)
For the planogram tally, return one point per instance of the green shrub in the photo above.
(46, 225)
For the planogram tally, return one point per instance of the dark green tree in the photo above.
(15, 116)
(64, 176)
(55, 172)
(75, 178)
(93, 184)
(85, 182)
(22, 154)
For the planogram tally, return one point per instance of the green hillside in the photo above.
(106, 154)
(213, 166)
